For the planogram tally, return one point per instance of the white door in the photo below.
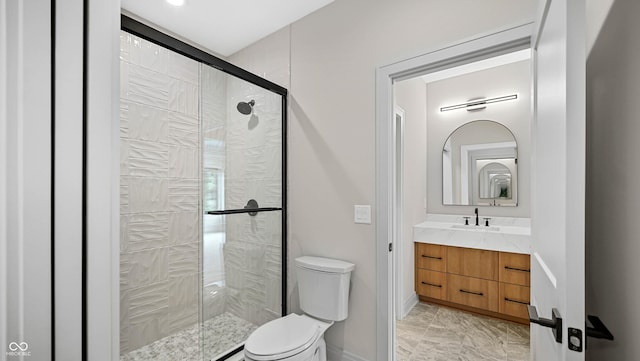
(558, 181)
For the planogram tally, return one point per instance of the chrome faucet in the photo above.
(477, 220)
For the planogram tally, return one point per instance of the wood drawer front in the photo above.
(432, 284)
(473, 292)
(515, 268)
(513, 300)
(431, 256)
(473, 263)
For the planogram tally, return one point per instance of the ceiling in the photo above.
(223, 26)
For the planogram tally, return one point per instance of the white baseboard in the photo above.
(408, 304)
(336, 354)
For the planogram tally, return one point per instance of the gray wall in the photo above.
(515, 115)
(613, 198)
(331, 57)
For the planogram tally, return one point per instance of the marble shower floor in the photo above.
(438, 333)
(221, 334)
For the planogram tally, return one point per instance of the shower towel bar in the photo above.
(244, 210)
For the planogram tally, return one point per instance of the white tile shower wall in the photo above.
(253, 171)
(270, 58)
(160, 192)
(248, 149)
(214, 118)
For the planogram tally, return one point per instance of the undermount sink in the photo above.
(505, 234)
(476, 228)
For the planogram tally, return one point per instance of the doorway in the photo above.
(387, 231)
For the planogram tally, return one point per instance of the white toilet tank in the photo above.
(323, 287)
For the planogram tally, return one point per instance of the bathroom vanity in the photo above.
(483, 269)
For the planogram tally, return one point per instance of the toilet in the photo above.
(323, 287)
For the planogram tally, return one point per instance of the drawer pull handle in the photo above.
(472, 293)
(431, 284)
(516, 301)
(516, 269)
(432, 257)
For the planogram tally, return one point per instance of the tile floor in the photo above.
(432, 332)
(219, 335)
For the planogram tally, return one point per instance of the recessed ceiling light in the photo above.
(176, 2)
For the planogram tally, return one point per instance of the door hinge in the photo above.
(390, 247)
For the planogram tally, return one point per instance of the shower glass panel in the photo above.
(160, 218)
(202, 202)
(242, 215)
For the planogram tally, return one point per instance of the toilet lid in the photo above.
(287, 335)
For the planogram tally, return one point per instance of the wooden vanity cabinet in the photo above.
(473, 292)
(514, 268)
(432, 284)
(431, 265)
(431, 256)
(473, 262)
(515, 278)
(513, 300)
(489, 282)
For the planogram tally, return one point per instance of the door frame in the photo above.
(398, 204)
(478, 47)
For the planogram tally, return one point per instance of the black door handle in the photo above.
(555, 323)
(599, 330)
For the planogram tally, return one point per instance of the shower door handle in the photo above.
(251, 208)
(244, 210)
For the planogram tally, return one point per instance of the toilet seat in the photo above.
(283, 337)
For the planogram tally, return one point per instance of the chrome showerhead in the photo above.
(246, 108)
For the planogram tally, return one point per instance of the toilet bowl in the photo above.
(323, 286)
(292, 338)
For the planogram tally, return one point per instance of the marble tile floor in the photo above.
(438, 333)
(219, 335)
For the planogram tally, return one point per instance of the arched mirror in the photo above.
(480, 165)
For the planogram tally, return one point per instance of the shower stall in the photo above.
(202, 201)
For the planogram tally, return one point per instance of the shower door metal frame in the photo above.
(146, 32)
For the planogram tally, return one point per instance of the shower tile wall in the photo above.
(248, 149)
(214, 119)
(160, 192)
(254, 171)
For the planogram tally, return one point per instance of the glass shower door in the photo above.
(242, 183)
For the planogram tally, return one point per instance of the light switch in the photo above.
(362, 214)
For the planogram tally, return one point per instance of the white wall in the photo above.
(514, 114)
(102, 171)
(333, 56)
(411, 95)
(25, 177)
(68, 180)
(613, 197)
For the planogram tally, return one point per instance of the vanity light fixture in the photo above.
(479, 103)
(176, 2)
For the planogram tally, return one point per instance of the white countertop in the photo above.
(512, 234)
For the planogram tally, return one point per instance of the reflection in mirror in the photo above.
(495, 178)
(479, 165)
